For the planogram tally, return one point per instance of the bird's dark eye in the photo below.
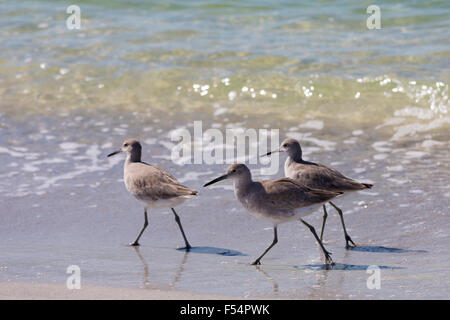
(285, 145)
(125, 145)
(234, 170)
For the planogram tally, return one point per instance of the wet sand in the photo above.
(45, 291)
(74, 210)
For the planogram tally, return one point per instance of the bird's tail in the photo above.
(324, 195)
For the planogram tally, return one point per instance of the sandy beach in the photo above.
(371, 103)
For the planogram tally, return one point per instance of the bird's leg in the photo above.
(177, 219)
(328, 259)
(136, 242)
(275, 240)
(325, 215)
(347, 237)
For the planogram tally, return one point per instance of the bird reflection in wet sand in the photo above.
(144, 263)
(271, 279)
(178, 273)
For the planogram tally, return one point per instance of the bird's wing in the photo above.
(287, 194)
(156, 183)
(318, 176)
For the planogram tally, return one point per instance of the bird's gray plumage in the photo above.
(151, 185)
(148, 182)
(315, 175)
(287, 194)
(277, 200)
(318, 176)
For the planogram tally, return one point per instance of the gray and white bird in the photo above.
(318, 176)
(152, 186)
(278, 201)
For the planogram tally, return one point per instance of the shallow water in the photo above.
(373, 104)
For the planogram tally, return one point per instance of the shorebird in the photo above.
(152, 186)
(318, 176)
(278, 201)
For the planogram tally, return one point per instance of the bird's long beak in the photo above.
(114, 153)
(269, 153)
(216, 180)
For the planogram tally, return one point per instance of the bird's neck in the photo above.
(241, 185)
(134, 157)
(296, 157)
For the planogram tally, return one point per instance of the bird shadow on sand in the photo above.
(213, 250)
(381, 249)
(341, 266)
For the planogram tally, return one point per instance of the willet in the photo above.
(278, 200)
(318, 176)
(151, 185)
